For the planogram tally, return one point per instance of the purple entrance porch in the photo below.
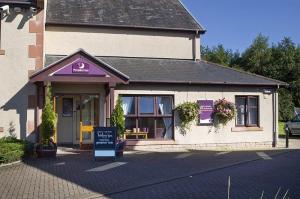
(83, 70)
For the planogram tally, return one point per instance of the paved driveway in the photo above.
(79, 176)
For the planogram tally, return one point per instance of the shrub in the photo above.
(188, 112)
(49, 118)
(13, 149)
(117, 117)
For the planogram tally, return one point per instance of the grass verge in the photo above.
(281, 129)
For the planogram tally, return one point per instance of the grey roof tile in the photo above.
(179, 71)
(158, 14)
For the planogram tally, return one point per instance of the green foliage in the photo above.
(286, 105)
(49, 118)
(13, 149)
(257, 58)
(281, 129)
(188, 112)
(117, 117)
(217, 55)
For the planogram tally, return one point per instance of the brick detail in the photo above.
(1, 129)
(2, 52)
(38, 63)
(204, 146)
(32, 101)
(39, 39)
(30, 127)
(36, 51)
(35, 27)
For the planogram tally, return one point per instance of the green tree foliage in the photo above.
(257, 58)
(117, 117)
(286, 105)
(217, 54)
(49, 118)
(279, 61)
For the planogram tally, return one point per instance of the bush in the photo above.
(49, 118)
(117, 117)
(12, 149)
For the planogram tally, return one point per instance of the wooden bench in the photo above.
(145, 134)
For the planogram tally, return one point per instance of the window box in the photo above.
(244, 129)
(2, 52)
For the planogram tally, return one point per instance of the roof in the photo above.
(179, 71)
(150, 14)
(18, 2)
(58, 62)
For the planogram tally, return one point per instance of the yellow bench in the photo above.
(135, 134)
(87, 129)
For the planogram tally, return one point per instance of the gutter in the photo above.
(18, 3)
(123, 26)
(203, 83)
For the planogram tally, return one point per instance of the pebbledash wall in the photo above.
(207, 136)
(123, 43)
(15, 63)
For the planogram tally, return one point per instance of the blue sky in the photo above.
(235, 23)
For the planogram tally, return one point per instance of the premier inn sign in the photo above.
(80, 67)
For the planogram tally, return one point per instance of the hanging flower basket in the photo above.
(224, 111)
(188, 112)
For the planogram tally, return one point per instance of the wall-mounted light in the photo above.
(4, 8)
(267, 91)
(33, 9)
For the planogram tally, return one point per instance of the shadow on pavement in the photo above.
(136, 169)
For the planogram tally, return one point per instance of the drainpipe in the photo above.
(195, 46)
(275, 119)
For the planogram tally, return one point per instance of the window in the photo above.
(149, 114)
(146, 105)
(247, 111)
(67, 107)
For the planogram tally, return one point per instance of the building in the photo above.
(147, 53)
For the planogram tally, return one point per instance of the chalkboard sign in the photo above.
(105, 141)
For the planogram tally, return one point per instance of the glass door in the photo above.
(87, 112)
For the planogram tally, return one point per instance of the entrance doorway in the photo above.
(73, 111)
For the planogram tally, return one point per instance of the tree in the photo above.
(286, 105)
(218, 54)
(49, 118)
(257, 57)
(117, 117)
(284, 60)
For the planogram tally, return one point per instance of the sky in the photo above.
(235, 23)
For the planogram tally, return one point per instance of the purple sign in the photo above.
(80, 67)
(205, 111)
